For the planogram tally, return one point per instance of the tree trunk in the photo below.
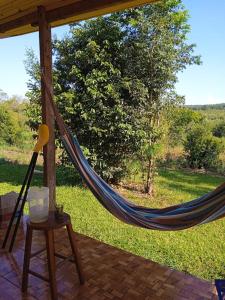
(149, 188)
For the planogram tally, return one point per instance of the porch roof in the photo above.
(18, 17)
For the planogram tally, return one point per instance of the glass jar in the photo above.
(38, 200)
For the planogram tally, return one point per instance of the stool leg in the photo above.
(75, 253)
(49, 235)
(26, 262)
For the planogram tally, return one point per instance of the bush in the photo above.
(219, 130)
(8, 127)
(182, 120)
(202, 148)
(13, 130)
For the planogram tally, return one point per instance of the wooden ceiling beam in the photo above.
(21, 21)
(78, 8)
(72, 10)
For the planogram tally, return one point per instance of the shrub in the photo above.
(13, 130)
(8, 127)
(202, 149)
(182, 120)
(219, 130)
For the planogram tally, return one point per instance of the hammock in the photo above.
(205, 209)
(201, 210)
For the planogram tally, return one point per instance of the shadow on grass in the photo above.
(14, 173)
(185, 182)
(189, 182)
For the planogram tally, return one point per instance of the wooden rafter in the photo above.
(74, 11)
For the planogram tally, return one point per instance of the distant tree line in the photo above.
(207, 106)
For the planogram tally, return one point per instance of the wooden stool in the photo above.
(48, 228)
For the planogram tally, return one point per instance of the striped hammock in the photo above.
(199, 211)
(205, 209)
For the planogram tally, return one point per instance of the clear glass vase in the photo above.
(38, 200)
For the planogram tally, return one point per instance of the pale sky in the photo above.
(203, 84)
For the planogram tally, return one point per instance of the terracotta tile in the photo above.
(110, 274)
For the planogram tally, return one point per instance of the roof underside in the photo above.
(20, 16)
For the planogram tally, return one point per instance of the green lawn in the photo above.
(199, 251)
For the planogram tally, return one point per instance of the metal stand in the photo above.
(20, 200)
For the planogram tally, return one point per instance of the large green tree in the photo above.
(157, 49)
(114, 78)
(93, 94)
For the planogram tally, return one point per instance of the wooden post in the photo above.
(47, 113)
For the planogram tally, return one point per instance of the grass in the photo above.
(199, 251)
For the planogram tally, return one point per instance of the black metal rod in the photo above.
(38, 275)
(17, 202)
(35, 155)
(37, 252)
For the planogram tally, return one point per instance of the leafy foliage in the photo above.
(93, 94)
(114, 79)
(12, 122)
(219, 130)
(157, 48)
(202, 148)
(181, 121)
(8, 127)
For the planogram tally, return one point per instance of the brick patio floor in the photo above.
(110, 273)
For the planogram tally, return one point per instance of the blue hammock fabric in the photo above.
(202, 210)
